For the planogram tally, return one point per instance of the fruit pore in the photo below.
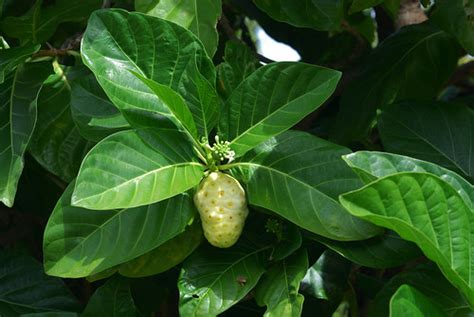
(222, 206)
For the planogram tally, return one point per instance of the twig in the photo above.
(462, 73)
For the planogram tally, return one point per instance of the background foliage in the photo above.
(357, 160)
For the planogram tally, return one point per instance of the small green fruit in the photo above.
(222, 206)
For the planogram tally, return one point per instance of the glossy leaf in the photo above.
(327, 277)
(289, 241)
(39, 23)
(166, 256)
(455, 17)
(408, 301)
(323, 15)
(174, 107)
(372, 165)
(428, 280)
(24, 288)
(437, 132)
(398, 68)
(212, 279)
(424, 209)
(384, 251)
(198, 16)
(176, 59)
(278, 289)
(80, 242)
(114, 298)
(122, 171)
(18, 98)
(10, 58)
(299, 176)
(95, 116)
(56, 143)
(239, 62)
(272, 100)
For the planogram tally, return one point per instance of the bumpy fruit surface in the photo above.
(221, 202)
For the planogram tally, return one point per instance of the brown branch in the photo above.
(462, 73)
(410, 13)
(52, 52)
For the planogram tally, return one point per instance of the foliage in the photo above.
(355, 164)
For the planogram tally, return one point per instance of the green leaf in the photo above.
(278, 289)
(428, 280)
(122, 171)
(175, 59)
(455, 17)
(359, 5)
(39, 24)
(289, 241)
(212, 279)
(299, 177)
(80, 242)
(24, 288)
(327, 278)
(166, 256)
(239, 62)
(384, 251)
(174, 107)
(424, 209)
(408, 301)
(273, 99)
(198, 16)
(114, 298)
(372, 165)
(398, 68)
(435, 132)
(95, 116)
(18, 98)
(56, 143)
(322, 15)
(12, 57)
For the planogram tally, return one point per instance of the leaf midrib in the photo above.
(75, 202)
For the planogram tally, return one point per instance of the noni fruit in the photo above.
(221, 202)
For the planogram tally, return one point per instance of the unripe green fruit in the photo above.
(222, 206)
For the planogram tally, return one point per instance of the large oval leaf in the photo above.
(372, 165)
(40, 23)
(198, 16)
(114, 298)
(79, 242)
(166, 256)
(278, 289)
(426, 210)
(24, 288)
(18, 101)
(455, 17)
(397, 69)
(117, 44)
(408, 301)
(328, 277)
(437, 132)
(273, 99)
(56, 143)
(12, 57)
(94, 114)
(122, 171)
(428, 280)
(299, 176)
(212, 279)
(323, 15)
(384, 251)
